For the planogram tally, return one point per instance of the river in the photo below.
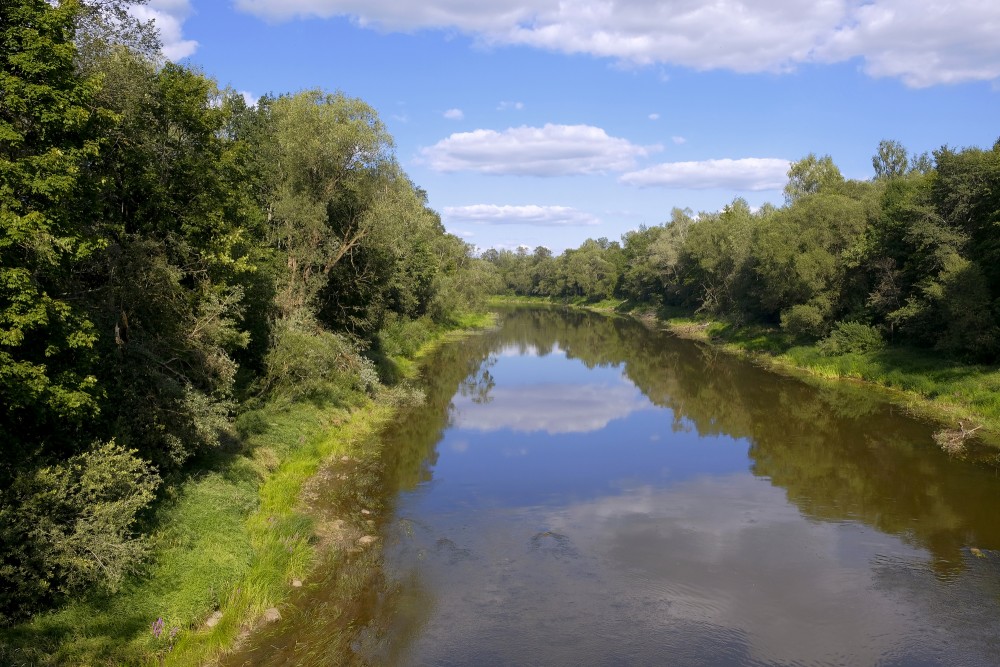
(580, 490)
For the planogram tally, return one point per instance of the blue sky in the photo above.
(540, 122)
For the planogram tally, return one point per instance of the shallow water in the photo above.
(579, 490)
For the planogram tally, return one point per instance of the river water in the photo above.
(580, 490)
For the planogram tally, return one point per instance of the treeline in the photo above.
(911, 256)
(169, 253)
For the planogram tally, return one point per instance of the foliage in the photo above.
(849, 337)
(912, 253)
(68, 526)
(306, 361)
(165, 251)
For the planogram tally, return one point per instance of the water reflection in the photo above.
(580, 490)
(553, 408)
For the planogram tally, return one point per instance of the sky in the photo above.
(547, 122)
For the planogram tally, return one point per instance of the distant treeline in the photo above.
(911, 256)
(169, 252)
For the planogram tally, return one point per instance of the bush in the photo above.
(307, 361)
(68, 527)
(849, 337)
(401, 337)
(804, 320)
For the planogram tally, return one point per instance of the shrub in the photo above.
(401, 337)
(804, 320)
(306, 360)
(67, 527)
(852, 337)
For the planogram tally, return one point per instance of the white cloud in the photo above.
(454, 114)
(654, 116)
(169, 17)
(552, 150)
(743, 174)
(249, 97)
(542, 216)
(923, 42)
(505, 106)
(678, 140)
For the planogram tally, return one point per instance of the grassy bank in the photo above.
(943, 389)
(230, 539)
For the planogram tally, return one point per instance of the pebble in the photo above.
(272, 615)
(213, 620)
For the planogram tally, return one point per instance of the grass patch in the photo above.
(229, 539)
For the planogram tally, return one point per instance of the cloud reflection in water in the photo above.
(553, 408)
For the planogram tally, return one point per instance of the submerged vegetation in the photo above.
(200, 299)
(893, 280)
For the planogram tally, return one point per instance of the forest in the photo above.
(910, 257)
(171, 257)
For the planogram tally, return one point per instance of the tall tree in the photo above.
(890, 160)
(810, 175)
(49, 137)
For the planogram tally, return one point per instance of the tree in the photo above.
(67, 503)
(890, 160)
(811, 175)
(335, 169)
(800, 261)
(49, 135)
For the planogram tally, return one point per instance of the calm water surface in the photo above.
(578, 490)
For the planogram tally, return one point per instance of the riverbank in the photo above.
(963, 397)
(233, 540)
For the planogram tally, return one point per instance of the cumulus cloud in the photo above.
(923, 42)
(743, 174)
(552, 150)
(168, 17)
(654, 116)
(454, 114)
(506, 106)
(542, 216)
(678, 140)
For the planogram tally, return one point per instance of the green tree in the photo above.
(811, 175)
(335, 171)
(890, 160)
(50, 132)
(67, 507)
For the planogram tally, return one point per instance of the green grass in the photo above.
(231, 538)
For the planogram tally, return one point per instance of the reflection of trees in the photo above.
(480, 382)
(839, 453)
